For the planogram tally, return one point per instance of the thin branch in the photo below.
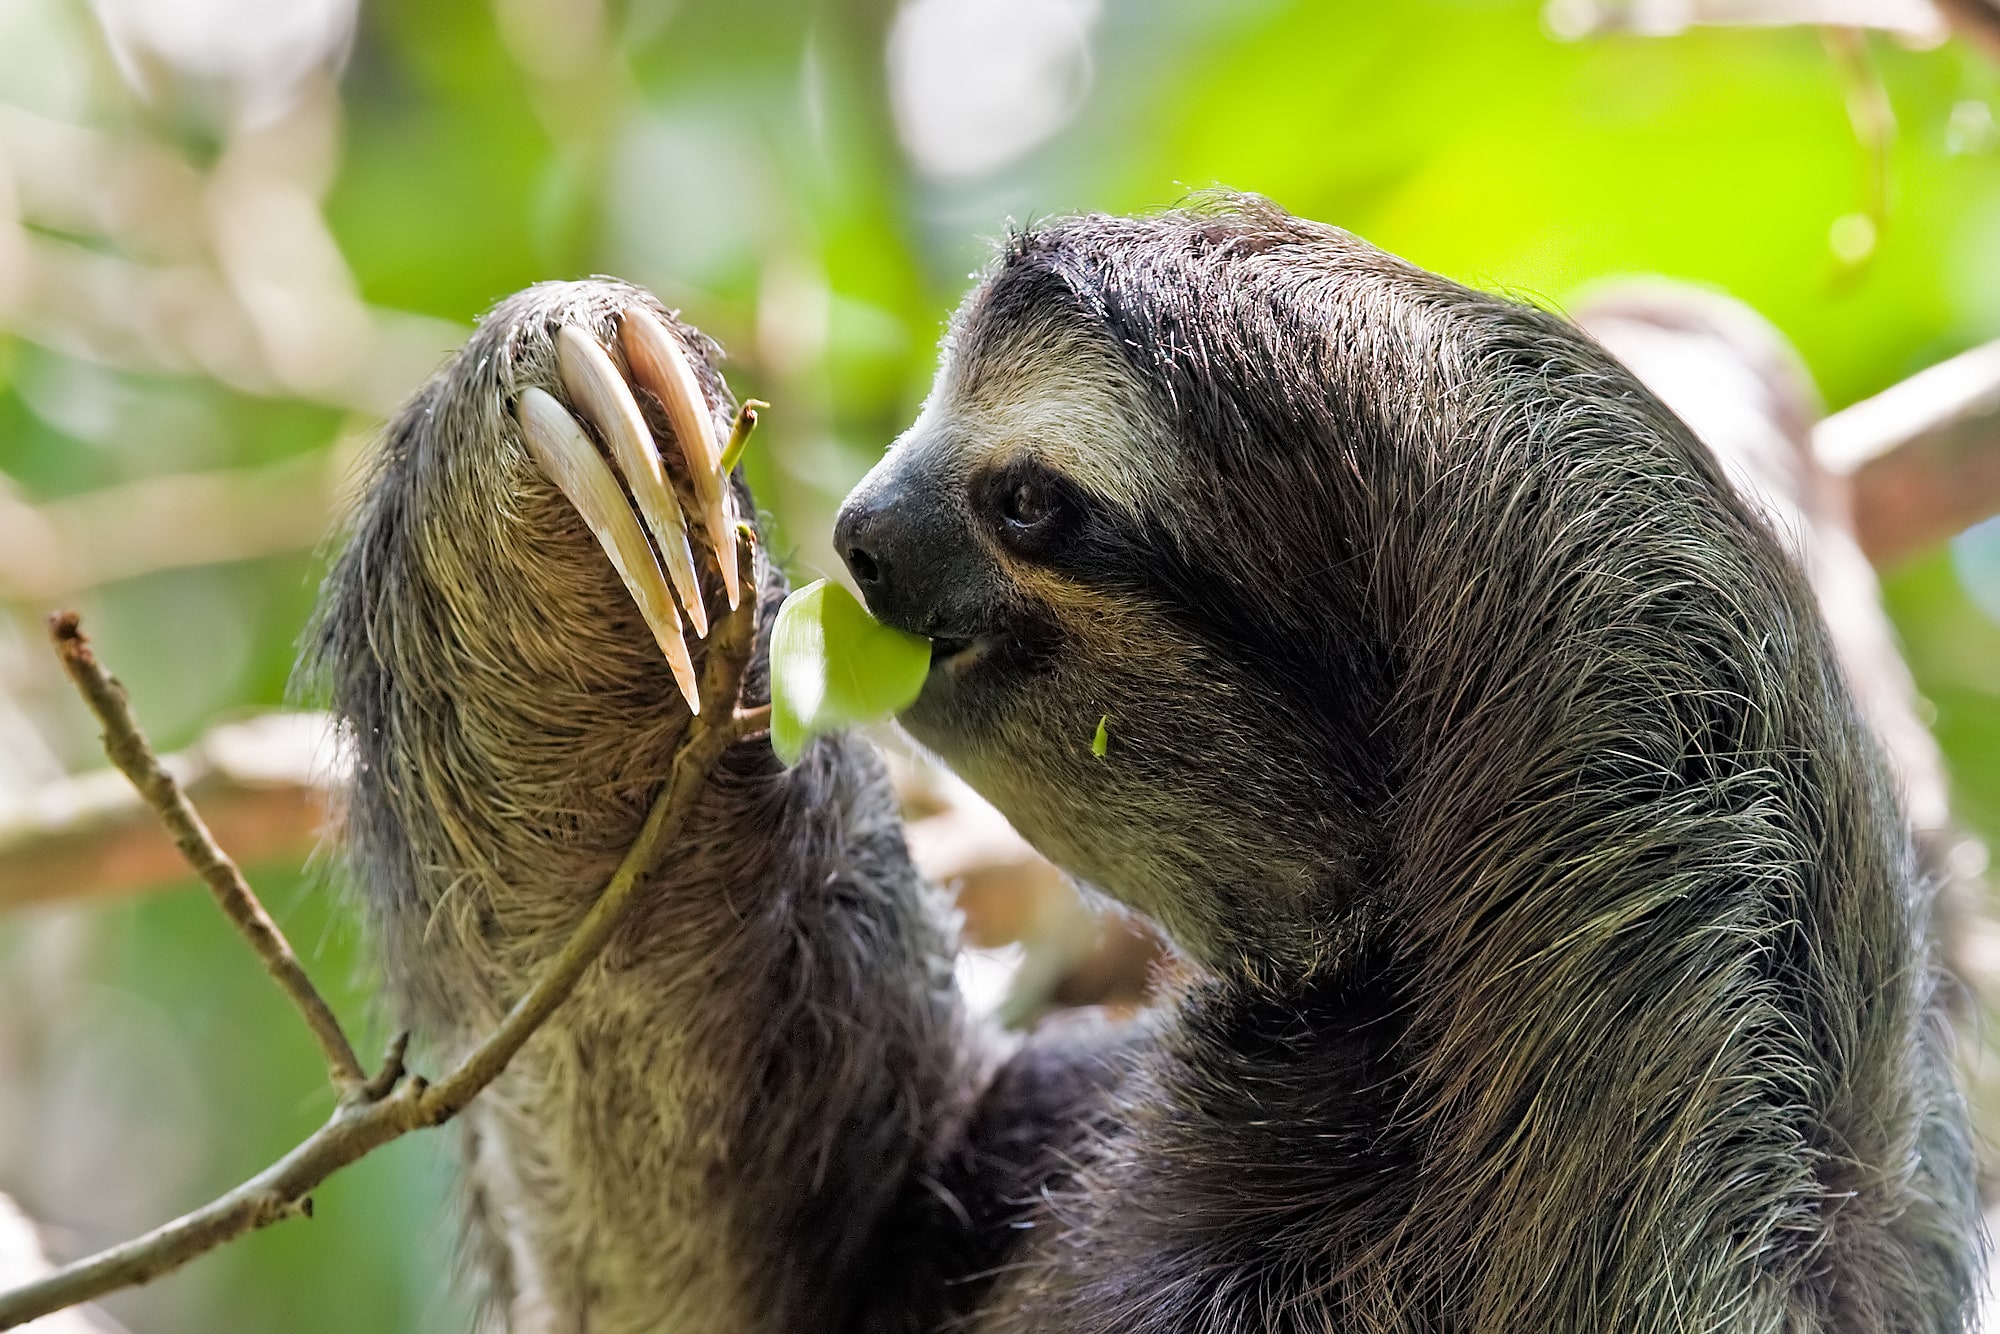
(739, 433)
(752, 722)
(277, 1192)
(125, 743)
(378, 1110)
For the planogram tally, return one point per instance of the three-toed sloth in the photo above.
(1554, 957)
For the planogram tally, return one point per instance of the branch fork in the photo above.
(370, 1109)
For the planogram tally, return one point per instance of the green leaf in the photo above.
(1101, 743)
(833, 665)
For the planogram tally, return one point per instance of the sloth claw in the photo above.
(569, 459)
(659, 365)
(601, 395)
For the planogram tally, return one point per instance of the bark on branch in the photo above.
(260, 784)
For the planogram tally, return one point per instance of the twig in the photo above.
(752, 722)
(381, 1109)
(711, 732)
(127, 747)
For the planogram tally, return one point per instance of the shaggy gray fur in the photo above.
(1582, 982)
(771, 1047)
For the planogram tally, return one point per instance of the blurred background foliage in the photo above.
(234, 234)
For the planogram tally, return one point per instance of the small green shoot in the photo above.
(1101, 743)
(739, 434)
(833, 665)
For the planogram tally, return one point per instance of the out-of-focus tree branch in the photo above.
(1978, 21)
(1917, 21)
(260, 784)
(133, 755)
(1922, 456)
(49, 553)
(122, 253)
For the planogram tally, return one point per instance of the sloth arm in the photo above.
(765, 1108)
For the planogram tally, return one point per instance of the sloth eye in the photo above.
(1032, 513)
(1027, 504)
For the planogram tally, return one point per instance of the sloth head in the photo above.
(1273, 507)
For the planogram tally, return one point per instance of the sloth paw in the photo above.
(642, 524)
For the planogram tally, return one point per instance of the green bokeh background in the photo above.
(728, 150)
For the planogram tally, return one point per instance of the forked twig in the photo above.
(126, 745)
(372, 1110)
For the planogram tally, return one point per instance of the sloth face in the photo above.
(1042, 524)
(989, 530)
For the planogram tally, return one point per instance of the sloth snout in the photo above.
(857, 536)
(912, 556)
(887, 554)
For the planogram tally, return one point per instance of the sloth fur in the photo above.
(1554, 956)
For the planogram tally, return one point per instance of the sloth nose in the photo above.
(903, 550)
(857, 537)
(911, 553)
(869, 537)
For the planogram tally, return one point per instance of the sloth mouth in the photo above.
(953, 653)
(1007, 645)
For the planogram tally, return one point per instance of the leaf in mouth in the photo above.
(833, 665)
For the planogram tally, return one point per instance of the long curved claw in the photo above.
(659, 365)
(572, 462)
(597, 388)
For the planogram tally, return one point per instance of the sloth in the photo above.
(1550, 952)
